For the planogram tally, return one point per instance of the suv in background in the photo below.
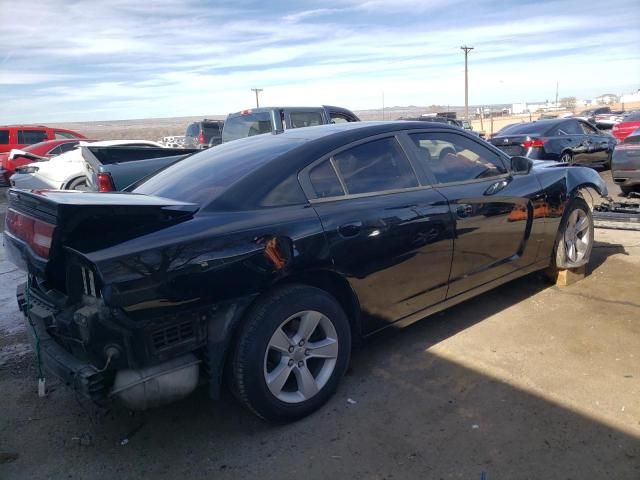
(247, 123)
(203, 134)
(20, 136)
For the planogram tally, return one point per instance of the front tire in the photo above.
(575, 237)
(291, 353)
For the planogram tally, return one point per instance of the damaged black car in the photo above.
(257, 265)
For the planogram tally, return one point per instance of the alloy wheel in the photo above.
(577, 235)
(301, 356)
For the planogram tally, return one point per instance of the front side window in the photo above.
(375, 167)
(29, 137)
(305, 119)
(4, 137)
(455, 158)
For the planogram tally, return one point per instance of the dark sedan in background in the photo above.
(625, 164)
(261, 260)
(568, 140)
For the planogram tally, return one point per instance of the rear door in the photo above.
(389, 233)
(492, 210)
(598, 145)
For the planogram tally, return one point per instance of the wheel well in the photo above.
(338, 287)
(67, 183)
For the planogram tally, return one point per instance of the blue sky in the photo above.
(62, 60)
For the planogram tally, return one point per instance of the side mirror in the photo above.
(521, 165)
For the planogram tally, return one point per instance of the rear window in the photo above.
(525, 129)
(246, 126)
(4, 137)
(29, 137)
(211, 129)
(305, 119)
(204, 176)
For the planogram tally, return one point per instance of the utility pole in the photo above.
(556, 94)
(466, 81)
(383, 105)
(257, 90)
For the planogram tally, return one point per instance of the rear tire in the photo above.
(575, 236)
(567, 157)
(291, 353)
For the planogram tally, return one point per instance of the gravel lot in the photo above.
(527, 381)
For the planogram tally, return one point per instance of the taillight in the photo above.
(533, 143)
(201, 139)
(35, 233)
(105, 182)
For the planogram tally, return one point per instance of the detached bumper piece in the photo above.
(617, 215)
(81, 376)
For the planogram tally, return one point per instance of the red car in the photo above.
(47, 149)
(627, 126)
(19, 136)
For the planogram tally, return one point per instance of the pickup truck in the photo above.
(277, 119)
(116, 169)
(109, 169)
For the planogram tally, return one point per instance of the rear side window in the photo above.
(455, 158)
(246, 125)
(29, 137)
(4, 137)
(305, 119)
(375, 167)
(325, 181)
(588, 129)
(569, 128)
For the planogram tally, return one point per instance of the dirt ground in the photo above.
(529, 381)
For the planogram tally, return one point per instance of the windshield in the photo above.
(246, 125)
(204, 176)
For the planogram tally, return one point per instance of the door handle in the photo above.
(496, 187)
(350, 229)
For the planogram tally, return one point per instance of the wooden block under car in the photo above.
(563, 278)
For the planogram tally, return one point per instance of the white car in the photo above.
(66, 171)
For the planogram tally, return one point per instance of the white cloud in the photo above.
(130, 59)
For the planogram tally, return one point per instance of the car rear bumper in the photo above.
(80, 375)
(626, 178)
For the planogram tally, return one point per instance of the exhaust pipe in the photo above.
(157, 385)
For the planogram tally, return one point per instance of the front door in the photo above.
(496, 231)
(388, 233)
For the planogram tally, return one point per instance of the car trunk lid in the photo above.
(512, 145)
(42, 227)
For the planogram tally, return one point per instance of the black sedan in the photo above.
(568, 140)
(262, 260)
